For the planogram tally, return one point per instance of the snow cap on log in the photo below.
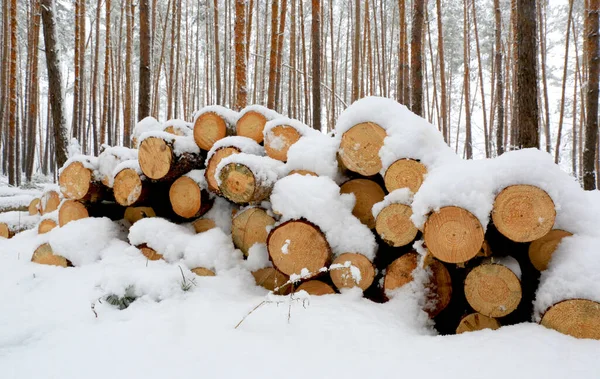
(164, 237)
(178, 127)
(212, 250)
(148, 124)
(316, 153)
(282, 133)
(110, 158)
(318, 200)
(16, 221)
(243, 144)
(213, 123)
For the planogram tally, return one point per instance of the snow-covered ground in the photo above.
(53, 326)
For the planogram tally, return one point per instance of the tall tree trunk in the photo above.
(467, 81)
(240, 55)
(94, 89)
(55, 90)
(12, 94)
(33, 91)
(593, 67)
(416, 57)
(316, 63)
(356, 53)
(499, 79)
(217, 52)
(564, 83)
(444, 105)
(77, 71)
(526, 91)
(107, 52)
(542, 37)
(145, 74)
(280, 41)
(127, 106)
(273, 56)
(481, 83)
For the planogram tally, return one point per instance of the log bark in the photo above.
(523, 213)
(316, 288)
(279, 140)
(541, 250)
(476, 321)
(188, 199)
(367, 193)
(405, 173)
(359, 148)
(453, 235)
(493, 290)
(159, 162)
(249, 227)
(296, 245)
(343, 275)
(394, 226)
(578, 318)
(209, 127)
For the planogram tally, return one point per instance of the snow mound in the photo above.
(244, 144)
(132, 164)
(164, 237)
(16, 220)
(399, 196)
(148, 124)
(317, 153)
(181, 126)
(212, 250)
(221, 213)
(111, 157)
(318, 200)
(301, 128)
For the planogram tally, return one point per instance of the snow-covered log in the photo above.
(281, 133)
(212, 124)
(405, 173)
(165, 157)
(541, 250)
(110, 158)
(392, 218)
(367, 193)
(80, 180)
(252, 121)
(476, 321)
(273, 280)
(352, 270)
(189, 196)
(130, 185)
(250, 226)
(44, 255)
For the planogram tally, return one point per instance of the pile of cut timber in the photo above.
(381, 205)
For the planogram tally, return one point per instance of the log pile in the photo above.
(353, 212)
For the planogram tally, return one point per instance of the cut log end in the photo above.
(45, 256)
(271, 279)
(394, 226)
(405, 173)
(249, 227)
(46, 225)
(135, 214)
(155, 157)
(127, 187)
(149, 253)
(201, 225)
(453, 235)
(359, 148)
(399, 272)
(251, 125)
(578, 318)
(50, 201)
(541, 250)
(352, 270)
(75, 181)
(493, 290)
(186, 197)
(367, 193)
(201, 271)
(316, 288)
(33, 207)
(4, 230)
(476, 321)
(279, 140)
(213, 162)
(296, 245)
(523, 213)
(71, 210)
(208, 129)
(302, 172)
(239, 185)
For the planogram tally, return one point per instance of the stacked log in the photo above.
(189, 196)
(252, 121)
(212, 124)
(164, 157)
(79, 180)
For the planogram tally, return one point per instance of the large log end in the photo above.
(578, 318)
(359, 148)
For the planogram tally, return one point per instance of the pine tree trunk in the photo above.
(316, 63)
(127, 106)
(217, 53)
(55, 93)
(542, 38)
(526, 91)
(356, 53)
(499, 79)
(106, 109)
(591, 122)
(12, 94)
(33, 91)
(444, 105)
(481, 83)
(273, 56)
(280, 41)
(145, 74)
(240, 55)
(467, 81)
(416, 57)
(564, 83)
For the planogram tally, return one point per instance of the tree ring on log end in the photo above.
(279, 140)
(251, 125)
(453, 235)
(71, 210)
(405, 173)
(578, 318)
(476, 321)
(296, 245)
(359, 148)
(249, 227)
(493, 290)
(523, 213)
(213, 162)
(45, 256)
(399, 272)
(394, 226)
(237, 183)
(208, 129)
(270, 278)
(541, 250)
(367, 193)
(46, 225)
(127, 187)
(186, 197)
(75, 181)
(155, 158)
(346, 277)
(316, 288)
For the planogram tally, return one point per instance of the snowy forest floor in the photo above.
(48, 329)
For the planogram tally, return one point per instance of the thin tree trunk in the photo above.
(240, 55)
(444, 105)
(467, 81)
(12, 94)
(145, 74)
(280, 40)
(107, 52)
(591, 126)
(33, 91)
(356, 53)
(481, 84)
(273, 56)
(316, 63)
(542, 38)
(416, 57)
(217, 52)
(564, 83)
(127, 106)
(499, 79)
